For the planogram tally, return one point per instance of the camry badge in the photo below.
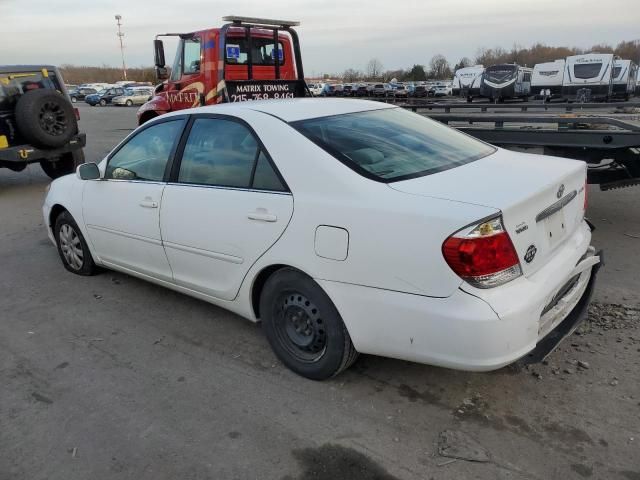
(560, 190)
(530, 253)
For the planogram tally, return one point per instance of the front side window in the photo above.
(263, 51)
(587, 70)
(145, 156)
(225, 153)
(392, 144)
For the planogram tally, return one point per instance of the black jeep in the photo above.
(37, 121)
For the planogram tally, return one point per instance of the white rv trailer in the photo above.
(507, 80)
(625, 76)
(588, 77)
(466, 82)
(547, 76)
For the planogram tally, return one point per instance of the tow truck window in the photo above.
(263, 51)
(191, 56)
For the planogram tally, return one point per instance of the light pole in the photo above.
(120, 35)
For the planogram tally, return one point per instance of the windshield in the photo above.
(587, 70)
(392, 144)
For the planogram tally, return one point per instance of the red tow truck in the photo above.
(246, 59)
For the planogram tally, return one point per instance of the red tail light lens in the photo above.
(77, 113)
(483, 255)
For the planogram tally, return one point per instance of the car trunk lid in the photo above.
(541, 198)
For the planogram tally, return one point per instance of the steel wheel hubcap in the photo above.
(71, 247)
(300, 327)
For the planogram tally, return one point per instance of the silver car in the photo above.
(133, 97)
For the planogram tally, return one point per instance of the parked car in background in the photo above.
(441, 91)
(133, 96)
(361, 90)
(316, 89)
(348, 90)
(382, 90)
(338, 89)
(81, 93)
(104, 97)
(400, 90)
(328, 90)
(420, 90)
(407, 240)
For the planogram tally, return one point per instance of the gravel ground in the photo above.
(111, 377)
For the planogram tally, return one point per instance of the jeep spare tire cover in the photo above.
(45, 118)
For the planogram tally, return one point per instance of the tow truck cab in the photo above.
(236, 62)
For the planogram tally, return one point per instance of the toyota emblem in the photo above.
(560, 190)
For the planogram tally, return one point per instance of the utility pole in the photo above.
(120, 35)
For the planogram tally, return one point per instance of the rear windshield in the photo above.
(587, 70)
(392, 144)
(13, 85)
(263, 51)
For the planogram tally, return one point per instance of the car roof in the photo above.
(294, 109)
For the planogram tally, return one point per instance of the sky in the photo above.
(335, 35)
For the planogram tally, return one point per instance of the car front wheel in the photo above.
(304, 327)
(103, 102)
(72, 247)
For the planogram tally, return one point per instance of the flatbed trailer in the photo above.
(601, 134)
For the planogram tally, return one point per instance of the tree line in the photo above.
(440, 68)
(76, 75)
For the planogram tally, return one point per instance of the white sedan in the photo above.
(344, 226)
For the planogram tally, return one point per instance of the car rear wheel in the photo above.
(304, 327)
(72, 247)
(65, 165)
(74, 99)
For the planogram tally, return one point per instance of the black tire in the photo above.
(103, 102)
(65, 165)
(46, 118)
(129, 103)
(70, 241)
(304, 327)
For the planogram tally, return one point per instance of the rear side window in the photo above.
(263, 51)
(586, 70)
(225, 153)
(392, 144)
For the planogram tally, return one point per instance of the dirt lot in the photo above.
(111, 377)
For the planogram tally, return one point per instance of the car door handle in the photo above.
(262, 216)
(149, 204)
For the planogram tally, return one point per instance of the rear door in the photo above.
(225, 207)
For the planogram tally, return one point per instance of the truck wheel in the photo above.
(72, 247)
(65, 165)
(45, 118)
(304, 327)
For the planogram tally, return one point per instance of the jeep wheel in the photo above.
(65, 165)
(45, 118)
(103, 102)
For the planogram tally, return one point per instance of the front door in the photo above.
(121, 211)
(187, 79)
(227, 206)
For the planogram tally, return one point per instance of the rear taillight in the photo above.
(483, 254)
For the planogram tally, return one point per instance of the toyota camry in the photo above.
(344, 227)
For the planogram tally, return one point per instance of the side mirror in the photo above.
(162, 73)
(158, 53)
(88, 171)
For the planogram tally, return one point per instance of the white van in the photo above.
(588, 77)
(547, 76)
